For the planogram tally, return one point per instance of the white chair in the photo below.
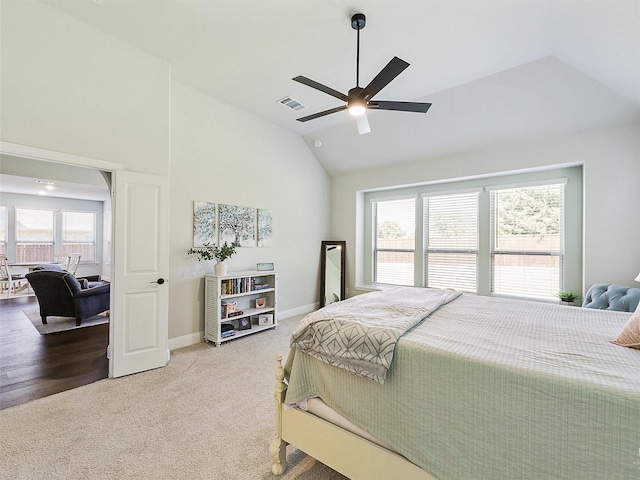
(9, 282)
(62, 259)
(74, 261)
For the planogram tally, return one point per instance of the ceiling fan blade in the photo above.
(363, 124)
(417, 107)
(321, 114)
(323, 88)
(394, 68)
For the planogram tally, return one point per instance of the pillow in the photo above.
(629, 336)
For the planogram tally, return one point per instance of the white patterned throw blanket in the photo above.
(360, 334)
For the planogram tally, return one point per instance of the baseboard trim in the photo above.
(297, 311)
(185, 340)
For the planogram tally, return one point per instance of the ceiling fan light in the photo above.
(356, 109)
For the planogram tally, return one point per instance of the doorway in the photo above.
(33, 365)
(139, 253)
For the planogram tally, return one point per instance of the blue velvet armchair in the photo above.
(61, 294)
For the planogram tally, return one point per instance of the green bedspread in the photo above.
(360, 334)
(496, 389)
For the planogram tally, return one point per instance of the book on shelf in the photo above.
(260, 286)
(226, 327)
(226, 334)
(227, 307)
(233, 286)
(235, 313)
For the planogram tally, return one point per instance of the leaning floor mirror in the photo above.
(332, 287)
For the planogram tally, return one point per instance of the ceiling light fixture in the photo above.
(357, 107)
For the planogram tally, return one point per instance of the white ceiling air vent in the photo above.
(291, 103)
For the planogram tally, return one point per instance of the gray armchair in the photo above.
(87, 281)
(61, 294)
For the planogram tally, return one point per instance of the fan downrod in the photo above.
(358, 21)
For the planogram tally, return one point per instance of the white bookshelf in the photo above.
(241, 289)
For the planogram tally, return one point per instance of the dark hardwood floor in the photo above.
(34, 366)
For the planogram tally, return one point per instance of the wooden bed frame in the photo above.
(343, 451)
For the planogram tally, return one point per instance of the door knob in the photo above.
(160, 281)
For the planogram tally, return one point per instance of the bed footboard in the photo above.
(343, 451)
(278, 447)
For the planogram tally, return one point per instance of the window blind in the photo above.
(3, 230)
(527, 226)
(79, 234)
(394, 241)
(451, 241)
(34, 235)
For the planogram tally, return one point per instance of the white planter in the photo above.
(221, 268)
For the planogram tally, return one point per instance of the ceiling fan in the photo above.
(359, 99)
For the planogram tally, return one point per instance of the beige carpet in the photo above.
(60, 324)
(207, 415)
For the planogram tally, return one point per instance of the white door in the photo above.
(140, 264)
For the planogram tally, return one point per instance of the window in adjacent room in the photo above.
(526, 240)
(79, 234)
(394, 241)
(34, 235)
(451, 241)
(3, 230)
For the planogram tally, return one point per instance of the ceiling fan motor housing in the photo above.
(354, 92)
(355, 101)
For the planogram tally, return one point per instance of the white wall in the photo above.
(221, 154)
(611, 162)
(68, 87)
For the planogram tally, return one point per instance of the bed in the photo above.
(480, 388)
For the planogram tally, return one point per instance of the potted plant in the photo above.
(568, 297)
(219, 253)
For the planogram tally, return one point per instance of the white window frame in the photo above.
(19, 242)
(573, 214)
(494, 251)
(375, 250)
(428, 249)
(66, 245)
(4, 240)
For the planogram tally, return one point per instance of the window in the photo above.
(34, 235)
(526, 240)
(394, 241)
(79, 234)
(3, 230)
(451, 241)
(502, 235)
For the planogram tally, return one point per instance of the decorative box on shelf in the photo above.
(239, 304)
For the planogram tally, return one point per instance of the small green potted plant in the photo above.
(218, 252)
(568, 297)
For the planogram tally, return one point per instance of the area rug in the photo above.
(60, 324)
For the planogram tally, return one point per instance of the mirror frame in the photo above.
(323, 267)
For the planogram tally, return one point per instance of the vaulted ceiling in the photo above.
(496, 71)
